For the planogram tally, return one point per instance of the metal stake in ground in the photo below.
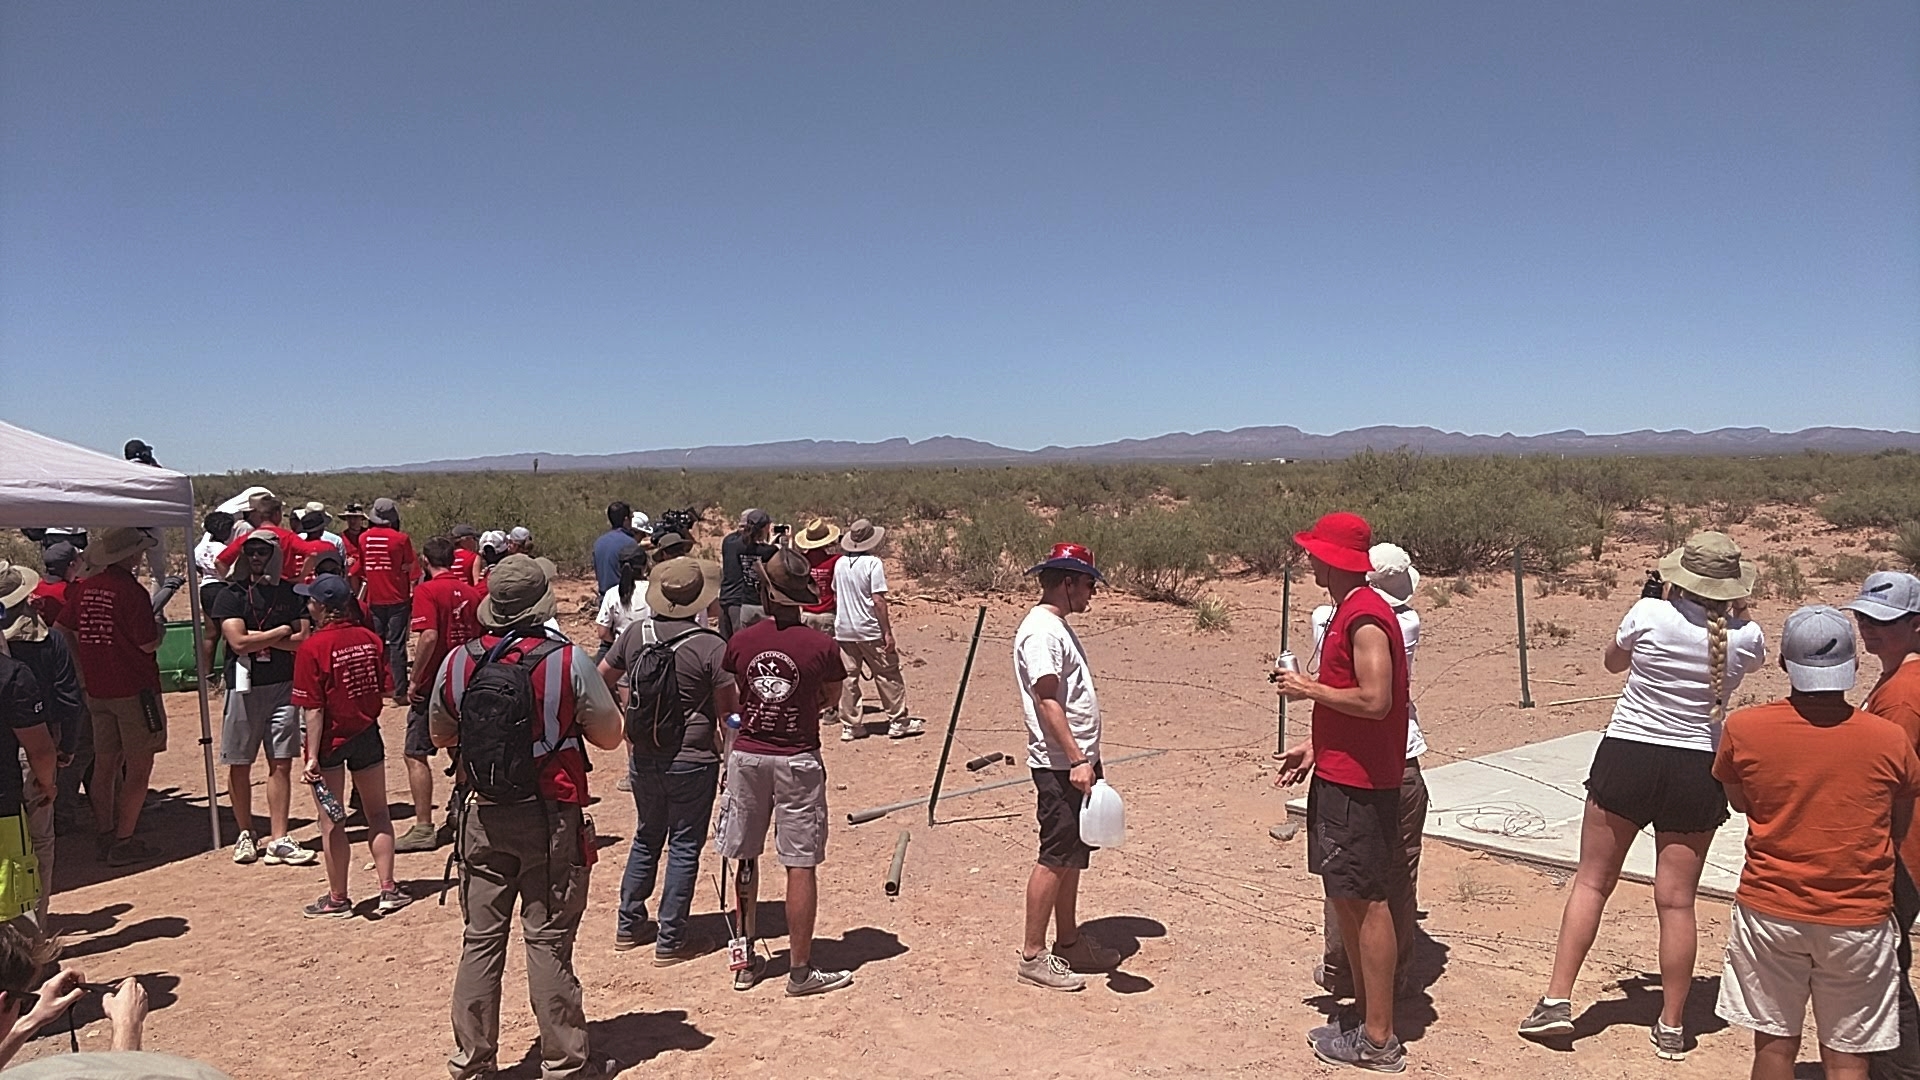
(959, 695)
(1286, 830)
(899, 863)
(1520, 612)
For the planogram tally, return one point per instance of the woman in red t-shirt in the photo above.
(340, 681)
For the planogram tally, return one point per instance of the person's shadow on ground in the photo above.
(1123, 933)
(174, 822)
(1413, 1010)
(630, 1040)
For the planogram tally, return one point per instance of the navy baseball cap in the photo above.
(331, 590)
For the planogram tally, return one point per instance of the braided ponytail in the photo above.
(1717, 656)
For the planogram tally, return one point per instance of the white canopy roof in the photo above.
(44, 481)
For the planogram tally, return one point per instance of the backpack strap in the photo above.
(556, 732)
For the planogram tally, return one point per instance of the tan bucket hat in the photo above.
(519, 593)
(16, 589)
(1709, 566)
(788, 580)
(819, 533)
(862, 536)
(116, 545)
(683, 587)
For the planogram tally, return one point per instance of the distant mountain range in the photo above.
(1240, 444)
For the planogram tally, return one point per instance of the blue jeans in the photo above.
(673, 803)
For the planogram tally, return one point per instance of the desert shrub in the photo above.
(1154, 554)
(923, 554)
(996, 546)
(1846, 567)
(1882, 507)
(1211, 613)
(1780, 577)
(1906, 544)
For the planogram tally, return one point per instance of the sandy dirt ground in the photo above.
(1219, 923)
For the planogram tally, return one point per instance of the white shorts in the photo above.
(1852, 972)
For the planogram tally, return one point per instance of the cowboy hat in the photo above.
(116, 545)
(519, 593)
(1709, 566)
(819, 533)
(1075, 558)
(1340, 540)
(789, 582)
(682, 588)
(862, 536)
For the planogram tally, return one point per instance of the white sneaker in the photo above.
(243, 849)
(846, 734)
(900, 729)
(288, 851)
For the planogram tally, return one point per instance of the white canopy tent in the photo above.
(44, 482)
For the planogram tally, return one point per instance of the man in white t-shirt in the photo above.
(1395, 579)
(864, 632)
(1063, 750)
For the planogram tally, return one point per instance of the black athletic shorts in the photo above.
(1669, 787)
(419, 742)
(363, 751)
(1058, 808)
(1352, 837)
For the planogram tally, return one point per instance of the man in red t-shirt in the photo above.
(445, 608)
(789, 676)
(62, 563)
(466, 553)
(388, 567)
(338, 684)
(294, 548)
(819, 542)
(1357, 758)
(116, 635)
(534, 851)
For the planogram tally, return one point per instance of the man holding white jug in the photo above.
(1063, 750)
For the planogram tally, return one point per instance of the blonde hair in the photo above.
(1716, 653)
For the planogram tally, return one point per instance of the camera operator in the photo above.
(741, 554)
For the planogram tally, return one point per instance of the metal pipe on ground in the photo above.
(875, 813)
(984, 760)
(899, 863)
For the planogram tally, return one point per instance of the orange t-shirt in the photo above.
(1820, 784)
(1897, 698)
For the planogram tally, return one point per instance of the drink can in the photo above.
(1288, 662)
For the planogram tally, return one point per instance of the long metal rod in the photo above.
(1286, 616)
(200, 684)
(874, 813)
(1520, 612)
(899, 863)
(953, 722)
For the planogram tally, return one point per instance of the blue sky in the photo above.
(287, 235)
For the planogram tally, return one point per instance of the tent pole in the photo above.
(200, 667)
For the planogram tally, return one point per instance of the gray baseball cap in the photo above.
(1817, 649)
(1886, 596)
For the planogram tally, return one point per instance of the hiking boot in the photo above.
(288, 851)
(748, 976)
(329, 907)
(1669, 1043)
(1355, 1049)
(678, 954)
(243, 849)
(904, 728)
(422, 837)
(818, 982)
(130, 851)
(1051, 973)
(1087, 956)
(392, 900)
(1549, 1019)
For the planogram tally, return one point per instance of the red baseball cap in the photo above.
(1074, 557)
(1340, 540)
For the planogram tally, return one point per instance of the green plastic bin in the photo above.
(177, 669)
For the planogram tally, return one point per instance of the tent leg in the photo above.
(206, 713)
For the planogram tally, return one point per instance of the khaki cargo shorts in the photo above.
(787, 791)
(120, 727)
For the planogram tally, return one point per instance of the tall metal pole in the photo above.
(959, 695)
(1520, 612)
(1286, 617)
(200, 686)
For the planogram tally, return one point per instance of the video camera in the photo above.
(680, 521)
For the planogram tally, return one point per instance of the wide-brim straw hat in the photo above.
(1709, 566)
(114, 545)
(819, 533)
(682, 588)
(16, 584)
(519, 593)
(861, 536)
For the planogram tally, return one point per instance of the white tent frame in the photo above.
(45, 478)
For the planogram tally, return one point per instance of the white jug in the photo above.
(1103, 821)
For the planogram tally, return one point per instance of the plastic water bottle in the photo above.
(1103, 821)
(328, 803)
(242, 675)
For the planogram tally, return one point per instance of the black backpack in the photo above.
(498, 714)
(656, 719)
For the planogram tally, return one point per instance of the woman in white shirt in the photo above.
(626, 602)
(1684, 655)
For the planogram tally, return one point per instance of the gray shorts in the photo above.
(262, 714)
(788, 791)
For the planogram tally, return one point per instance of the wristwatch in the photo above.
(1076, 764)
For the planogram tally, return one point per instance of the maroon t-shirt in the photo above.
(780, 670)
(111, 616)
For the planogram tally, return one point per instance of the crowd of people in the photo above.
(719, 677)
